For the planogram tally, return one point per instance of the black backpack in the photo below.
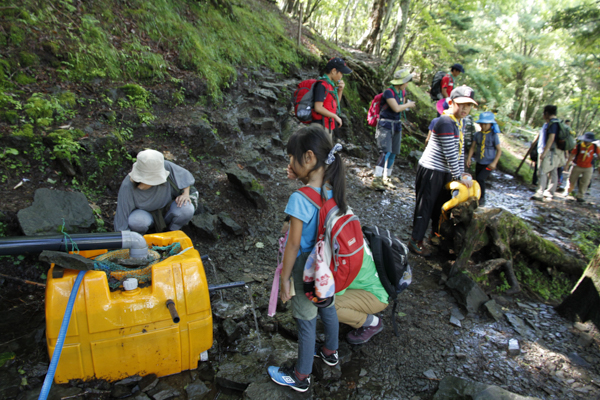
(436, 85)
(391, 261)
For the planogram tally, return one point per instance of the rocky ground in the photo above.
(437, 337)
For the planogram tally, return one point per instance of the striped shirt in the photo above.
(443, 152)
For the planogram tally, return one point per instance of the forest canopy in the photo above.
(518, 54)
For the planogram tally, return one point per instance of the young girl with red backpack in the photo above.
(389, 127)
(315, 162)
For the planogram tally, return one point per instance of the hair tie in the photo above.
(331, 155)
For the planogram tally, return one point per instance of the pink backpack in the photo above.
(375, 109)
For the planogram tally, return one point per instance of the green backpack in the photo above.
(564, 140)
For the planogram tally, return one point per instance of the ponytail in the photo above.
(315, 138)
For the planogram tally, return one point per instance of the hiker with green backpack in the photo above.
(553, 142)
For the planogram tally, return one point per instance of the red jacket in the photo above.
(330, 105)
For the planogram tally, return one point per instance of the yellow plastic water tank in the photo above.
(117, 334)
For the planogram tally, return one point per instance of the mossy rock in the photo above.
(10, 116)
(23, 79)
(51, 47)
(25, 132)
(28, 59)
(67, 99)
(134, 91)
(70, 134)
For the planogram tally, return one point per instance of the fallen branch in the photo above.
(23, 280)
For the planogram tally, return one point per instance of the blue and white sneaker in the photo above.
(287, 377)
(331, 360)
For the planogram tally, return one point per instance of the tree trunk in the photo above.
(470, 232)
(583, 303)
(349, 17)
(368, 41)
(339, 20)
(289, 6)
(537, 107)
(393, 56)
(384, 25)
(524, 104)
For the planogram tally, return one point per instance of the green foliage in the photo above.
(27, 59)
(178, 97)
(26, 131)
(67, 149)
(45, 110)
(504, 285)
(10, 162)
(509, 162)
(23, 79)
(5, 357)
(137, 95)
(553, 287)
(588, 241)
(410, 143)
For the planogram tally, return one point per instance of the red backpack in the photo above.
(375, 109)
(343, 238)
(303, 100)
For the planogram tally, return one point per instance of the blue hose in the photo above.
(61, 338)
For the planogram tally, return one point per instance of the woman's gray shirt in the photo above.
(157, 197)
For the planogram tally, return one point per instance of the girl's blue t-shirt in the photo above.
(300, 207)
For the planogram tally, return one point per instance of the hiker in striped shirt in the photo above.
(441, 162)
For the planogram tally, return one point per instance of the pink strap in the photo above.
(275, 287)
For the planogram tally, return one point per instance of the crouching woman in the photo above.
(155, 194)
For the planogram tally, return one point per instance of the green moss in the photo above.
(509, 162)
(10, 116)
(4, 72)
(67, 99)
(38, 107)
(16, 35)
(65, 134)
(257, 187)
(23, 79)
(26, 131)
(27, 59)
(137, 95)
(51, 47)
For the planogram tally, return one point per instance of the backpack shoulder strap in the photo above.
(175, 188)
(311, 195)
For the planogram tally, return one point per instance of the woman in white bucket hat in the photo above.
(147, 198)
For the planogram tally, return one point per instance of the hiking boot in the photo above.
(378, 184)
(364, 333)
(548, 195)
(537, 197)
(285, 376)
(580, 200)
(418, 248)
(331, 360)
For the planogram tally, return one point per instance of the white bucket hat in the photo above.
(149, 168)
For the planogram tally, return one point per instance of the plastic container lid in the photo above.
(130, 284)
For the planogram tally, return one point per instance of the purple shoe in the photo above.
(364, 334)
